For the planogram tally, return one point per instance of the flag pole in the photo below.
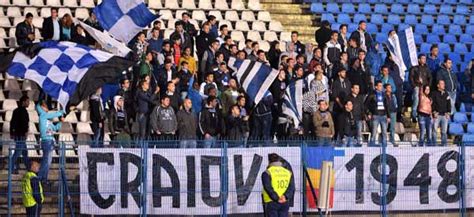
(313, 192)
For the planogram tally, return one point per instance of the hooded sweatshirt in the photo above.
(46, 126)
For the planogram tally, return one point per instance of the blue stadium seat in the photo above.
(359, 17)
(404, 1)
(471, 19)
(470, 129)
(427, 19)
(469, 56)
(465, 1)
(328, 17)
(460, 48)
(393, 19)
(381, 37)
(317, 7)
(434, 2)
(462, 9)
(397, 9)
(455, 57)
(451, 39)
(419, 1)
(403, 26)
(421, 29)
(443, 20)
(418, 38)
(456, 129)
(445, 9)
(455, 29)
(459, 19)
(377, 19)
(332, 8)
(371, 27)
(432, 38)
(460, 117)
(335, 26)
(444, 48)
(343, 18)
(352, 27)
(469, 28)
(451, 1)
(463, 108)
(364, 8)
(381, 9)
(372, 1)
(468, 139)
(387, 27)
(425, 48)
(411, 19)
(466, 38)
(430, 9)
(438, 29)
(413, 9)
(348, 8)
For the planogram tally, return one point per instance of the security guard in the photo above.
(278, 187)
(32, 191)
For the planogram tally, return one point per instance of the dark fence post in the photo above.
(10, 166)
(462, 180)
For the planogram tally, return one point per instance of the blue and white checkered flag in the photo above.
(66, 70)
(123, 19)
(293, 101)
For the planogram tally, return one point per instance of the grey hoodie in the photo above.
(163, 120)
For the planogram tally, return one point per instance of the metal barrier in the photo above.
(443, 184)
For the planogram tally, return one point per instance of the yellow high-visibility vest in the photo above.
(28, 199)
(281, 178)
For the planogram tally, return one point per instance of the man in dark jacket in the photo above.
(391, 101)
(341, 88)
(166, 74)
(118, 122)
(18, 130)
(420, 75)
(51, 29)
(186, 40)
(300, 48)
(25, 31)
(447, 74)
(189, 28)
(360, 74)
(323, 34)
(225, 48)
(97, 116)
(352, 51)
(441, 111)
(377, 110)
(208, 59)
(203, 40)
(362, 37)
(175, 97)
(163, 120)
(210, 122)
(187, 125)
(262, 119)
(145, 100)
(358, 109)
(346, 120)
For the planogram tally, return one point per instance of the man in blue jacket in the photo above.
(47, 129)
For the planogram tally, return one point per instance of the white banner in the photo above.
(419, 178)
(179, 181)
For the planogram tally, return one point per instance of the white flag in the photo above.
(106, 41)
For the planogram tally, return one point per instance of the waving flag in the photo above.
(123, 19)
(293, 101)
(402, 48)
(108, 43)
(254, 77)
(66, 71)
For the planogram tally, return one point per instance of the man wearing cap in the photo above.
(278, 187)
(32, 191)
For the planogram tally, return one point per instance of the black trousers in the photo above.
(33, 211)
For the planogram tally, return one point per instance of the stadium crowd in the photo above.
(181, 87)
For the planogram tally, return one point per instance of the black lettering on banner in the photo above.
(244, 190)
(391, 180)
(420, 176)
(159, 191)
(191, 166)
(357, 162)
(206, 163)
(130, 187)
(92, 160)
(449, 178)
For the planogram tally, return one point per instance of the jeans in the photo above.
(393, 121)
(426, 126)
(33, 211)
(274, 209)
(209, 142)
(324, 141)
(452, 96)
(359, 125)
(262, 127)
(20, 149)
(443, 121)
(142, 126)
(98, 135)
(47, 148)
(349, 141)
(187, 143)
(415, 97)
(376, 121)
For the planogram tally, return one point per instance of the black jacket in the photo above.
(47, 31)
(186, 124)
(358, 106)
(97, 112)
(340, 90)
(188, 41)
(348, 123)
(420, 72)
(371, 105)
(21, 33)
(322, 35)
(145, 101)
(441, 102)
(203, 40)
(210, 122)
(368, 39)
(360, 76)
(118, 121)
(352, 54)
(235, 128)
(19, 123)
(76, 38)
(300, 48)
